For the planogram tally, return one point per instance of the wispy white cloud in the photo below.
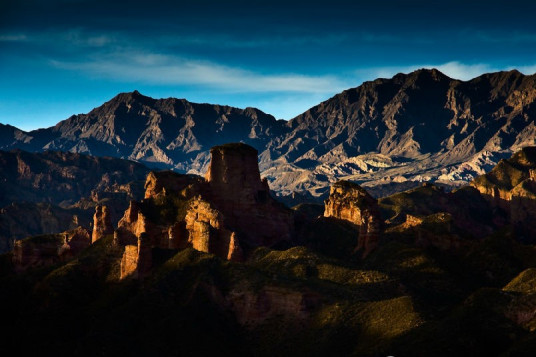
(463, 71)
(162, 69)
(527, 69)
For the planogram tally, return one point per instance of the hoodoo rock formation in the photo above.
(244, 199)
(236, 211)
(102, 223)
(350, 202)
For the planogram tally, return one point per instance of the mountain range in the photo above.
(384, 134)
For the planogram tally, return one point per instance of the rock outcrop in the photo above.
(350, 202)
(137, 259)
(237, 191)
(206, 228)
(511, 187)
(102, 223)
(75, 242)
(226, 214)
(49, 249)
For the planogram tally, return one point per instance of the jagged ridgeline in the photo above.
(199, 266)
(390, 133)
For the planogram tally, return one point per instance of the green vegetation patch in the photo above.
(525, 282)
(420, 201)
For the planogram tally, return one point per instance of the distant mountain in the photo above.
(171, 133)
(422, 126)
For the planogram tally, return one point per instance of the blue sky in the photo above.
(63, 57)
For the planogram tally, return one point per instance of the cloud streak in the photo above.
(162, 69)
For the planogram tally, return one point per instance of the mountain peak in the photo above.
(431, 73)
(131, 96)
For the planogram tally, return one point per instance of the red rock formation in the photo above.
(207, 232)
(511, 186)
(532, 174)
(49, 249)
(235, 252)
(350, 202)
(164, 183)
(137, 259)
(102, 223)
(230, 212)
(129, 262)
(134, 223)
(238, 192)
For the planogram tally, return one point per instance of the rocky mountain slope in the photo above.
(421, 126)
(166, 133)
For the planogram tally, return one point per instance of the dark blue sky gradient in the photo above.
(62, 57)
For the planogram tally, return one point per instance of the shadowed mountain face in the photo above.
(417, 127)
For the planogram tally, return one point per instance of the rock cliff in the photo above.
(350, 202)
(236, 189)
